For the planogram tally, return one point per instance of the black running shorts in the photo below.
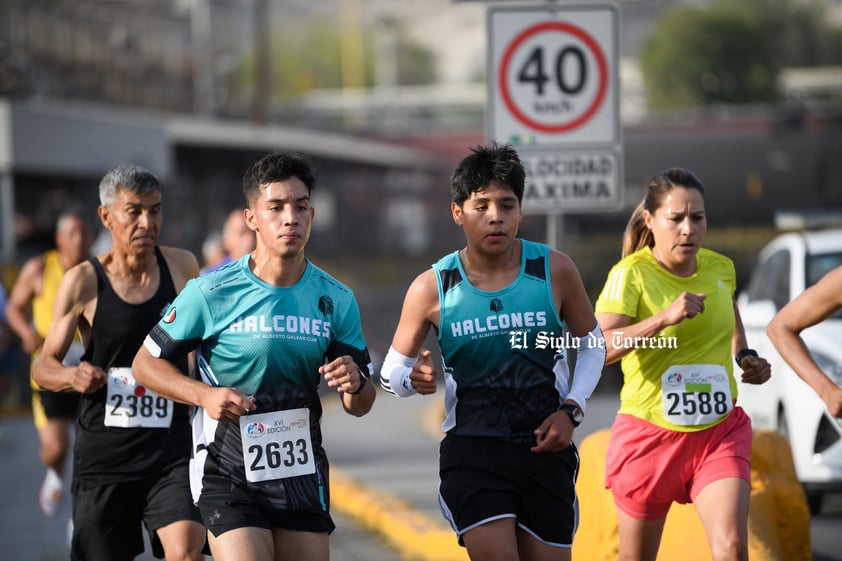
(485, 479)
(59, 405)
(107, 517)
(226, 505)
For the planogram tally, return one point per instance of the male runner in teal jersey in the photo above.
(267, 328)
(501, 309)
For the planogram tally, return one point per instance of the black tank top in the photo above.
(109, 454)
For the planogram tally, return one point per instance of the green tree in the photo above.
(801, 32)
(705, 56)
(732, 52)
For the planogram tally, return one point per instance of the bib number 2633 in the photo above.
(277, 445)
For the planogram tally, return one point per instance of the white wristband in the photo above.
(394, 374)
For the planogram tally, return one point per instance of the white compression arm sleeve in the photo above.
(394, 374)
(590, 359)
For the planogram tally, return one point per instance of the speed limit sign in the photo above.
(553, 79)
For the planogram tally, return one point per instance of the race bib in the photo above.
(277, 445)
(695, 394)
(130, 405)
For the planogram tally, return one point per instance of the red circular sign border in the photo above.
(585, 38)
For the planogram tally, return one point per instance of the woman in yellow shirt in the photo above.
(668, 313)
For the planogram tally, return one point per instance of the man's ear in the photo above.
(248, 214)
(456, 212)
(104, 215)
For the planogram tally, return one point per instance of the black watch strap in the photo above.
(363, 380)
(741, 354)
(574, 412)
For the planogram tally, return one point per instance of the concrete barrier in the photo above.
(779, 519)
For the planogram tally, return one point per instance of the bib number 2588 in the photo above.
(690, 403)
(695, 394)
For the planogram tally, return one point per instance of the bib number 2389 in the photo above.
(130, 405)
(696, 394)
(277, 445)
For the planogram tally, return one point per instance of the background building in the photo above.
(198, 89)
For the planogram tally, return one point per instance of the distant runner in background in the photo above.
(30, 312)
(237, 240)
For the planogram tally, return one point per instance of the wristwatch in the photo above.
(363, 380)
(742, 353)
(574, 412)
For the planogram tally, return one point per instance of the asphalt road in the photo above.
(26, 535)
(393, 450)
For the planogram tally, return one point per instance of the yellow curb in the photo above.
(414, 536)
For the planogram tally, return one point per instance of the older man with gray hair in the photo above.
(132, 446)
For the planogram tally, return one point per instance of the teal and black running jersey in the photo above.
(503, 373)
(255, 336)
(264, 340)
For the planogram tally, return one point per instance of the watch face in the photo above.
(576, 413)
